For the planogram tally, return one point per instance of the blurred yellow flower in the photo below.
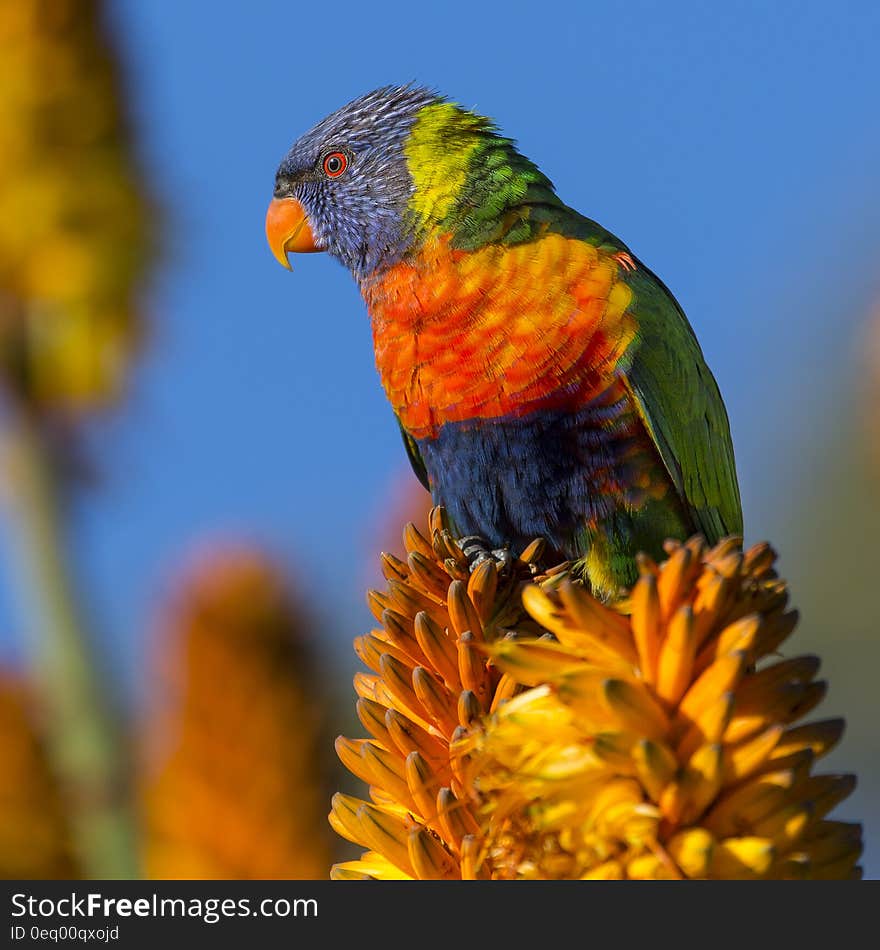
(234, 782)
(73, 222)
(35, 840)
(654, 739)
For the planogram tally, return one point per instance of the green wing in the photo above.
(414, 456)
(680, 404)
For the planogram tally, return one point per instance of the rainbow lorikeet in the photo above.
(546, 382)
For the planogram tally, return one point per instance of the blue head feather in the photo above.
(360, 217)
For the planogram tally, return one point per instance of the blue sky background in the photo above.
(734, 147)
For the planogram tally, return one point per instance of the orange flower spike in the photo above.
(648, 738)
(231, 738)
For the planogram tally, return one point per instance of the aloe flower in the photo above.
(526, 730)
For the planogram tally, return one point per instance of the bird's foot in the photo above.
(477, 550)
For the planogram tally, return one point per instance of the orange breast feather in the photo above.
(498, 332)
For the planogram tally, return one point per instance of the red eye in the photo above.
(335, 164)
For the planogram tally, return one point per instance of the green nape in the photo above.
(472, 183)
(505, 199)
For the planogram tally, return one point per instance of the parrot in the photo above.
(546, 383)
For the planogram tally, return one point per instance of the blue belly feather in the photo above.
(546, 474)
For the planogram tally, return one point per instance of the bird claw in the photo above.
(477, 550)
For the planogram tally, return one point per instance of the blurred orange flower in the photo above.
(234, 780)
(35, 840)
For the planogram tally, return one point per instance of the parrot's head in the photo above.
(371, 181)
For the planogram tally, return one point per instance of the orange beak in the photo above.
(288, 229)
